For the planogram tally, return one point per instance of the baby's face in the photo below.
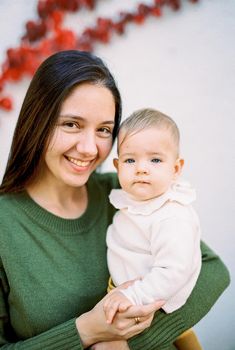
(147, 163)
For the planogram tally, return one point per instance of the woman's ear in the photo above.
(179, 163)
(115, 163)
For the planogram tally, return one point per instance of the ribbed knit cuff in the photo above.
(163, 331)
(61, 337)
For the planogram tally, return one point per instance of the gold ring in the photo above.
(137, 320)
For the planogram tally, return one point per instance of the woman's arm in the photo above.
(77, 333)
(165, 328)
(64, 336)
(61, 337)
(114, 345)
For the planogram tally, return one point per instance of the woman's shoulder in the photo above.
(8, 205)
(6, 200)
(8, 209)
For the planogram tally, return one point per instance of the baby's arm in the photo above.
(175, 248)
(115, 302)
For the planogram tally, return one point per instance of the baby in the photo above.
(155, 235)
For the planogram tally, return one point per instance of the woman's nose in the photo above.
(86, 144)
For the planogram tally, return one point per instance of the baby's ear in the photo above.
(179, 163)
(115, 163)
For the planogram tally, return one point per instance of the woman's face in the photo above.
(83, 136)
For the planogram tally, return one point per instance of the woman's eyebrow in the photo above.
(77, 117)
(107, 122)
(70, 116)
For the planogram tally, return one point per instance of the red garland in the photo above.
(46, 36)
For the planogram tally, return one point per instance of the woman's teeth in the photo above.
(78, 162)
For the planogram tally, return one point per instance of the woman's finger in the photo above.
(138, 326)
(130, 326)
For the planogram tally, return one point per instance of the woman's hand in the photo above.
(93, 328)
(115, 302)
(111, 345)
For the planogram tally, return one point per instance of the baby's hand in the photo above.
(115, 302)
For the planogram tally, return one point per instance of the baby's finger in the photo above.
(124, 305)
(111, 311)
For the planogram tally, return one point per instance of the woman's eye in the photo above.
(105, 131)
(71, 125)
(156, 160)
(129, 160)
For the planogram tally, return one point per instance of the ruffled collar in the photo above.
(180, 192)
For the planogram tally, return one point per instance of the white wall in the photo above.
(184, 65)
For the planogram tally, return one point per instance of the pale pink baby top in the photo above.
(157, 240)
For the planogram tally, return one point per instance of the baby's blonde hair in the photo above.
(148, 118)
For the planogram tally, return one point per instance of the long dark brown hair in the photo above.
(51, 84)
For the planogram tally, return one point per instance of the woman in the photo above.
(54, 212)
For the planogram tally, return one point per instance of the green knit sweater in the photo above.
(54, 269)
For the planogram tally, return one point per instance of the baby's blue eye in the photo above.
(130, 160)
(156, 160)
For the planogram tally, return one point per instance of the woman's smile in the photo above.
(80, 163)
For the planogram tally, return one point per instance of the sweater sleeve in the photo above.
(64, 336)
(213, 280)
